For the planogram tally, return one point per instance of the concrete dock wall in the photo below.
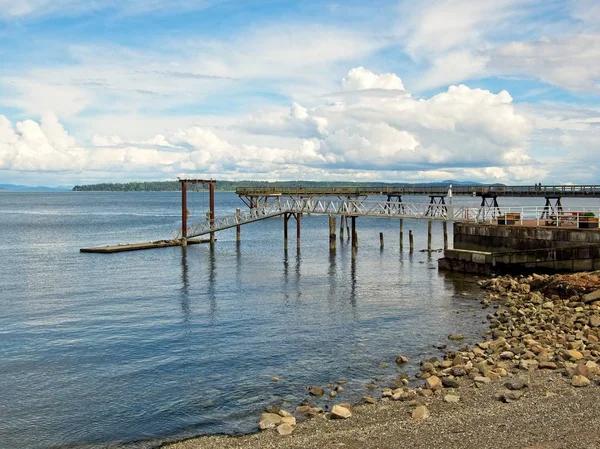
(493, 238)
(492, 249)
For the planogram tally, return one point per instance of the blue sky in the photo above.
(490, 91)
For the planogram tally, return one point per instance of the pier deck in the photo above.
(122, 247)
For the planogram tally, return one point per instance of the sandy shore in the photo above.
(551, 413)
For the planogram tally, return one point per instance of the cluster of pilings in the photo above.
(352, 234)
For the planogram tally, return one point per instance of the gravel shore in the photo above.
(517, 388)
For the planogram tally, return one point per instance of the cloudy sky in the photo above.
(488, 91)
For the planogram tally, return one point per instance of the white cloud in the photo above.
(293, 60)
(392, 133)
(29, 146)
(571, 62)
(360, 78)
(462, 133)
(460, 127)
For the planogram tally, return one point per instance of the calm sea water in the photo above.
(142, 347)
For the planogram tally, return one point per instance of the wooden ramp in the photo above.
(140, 246)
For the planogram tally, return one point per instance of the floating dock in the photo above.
(122, 247)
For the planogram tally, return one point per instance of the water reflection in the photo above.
(185, 286)
(212, 280)
(353, 279)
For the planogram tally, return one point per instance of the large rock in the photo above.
(339, 412)
(285, 429)
(450, 382)
(288, 420)
(316, 391)
(369, 400)
(573, 354)
(591, 297)
(516, 384)
(505, 395)
(420, 412)
(580, 381)
(269, 421)
(451, 398)
(400, 360)
(456, 337)
(433, 383)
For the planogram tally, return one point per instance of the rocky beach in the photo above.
(531, 382)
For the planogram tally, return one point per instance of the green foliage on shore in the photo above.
(230, 186)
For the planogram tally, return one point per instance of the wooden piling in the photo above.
(348, 227)
(411, 242)
(184, 213)
(354, 234)
(211, 199)
(445, 229)
(381, 240)
(401, 234)
(331, 233)
(342, 227)
(286, 218)
(429, 226)
(238, 228)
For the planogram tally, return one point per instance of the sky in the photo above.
(395, 91)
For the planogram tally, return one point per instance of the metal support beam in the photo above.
(550, 209)
(489, 207)
(437, 206)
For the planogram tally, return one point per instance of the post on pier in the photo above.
(354, 234)
(429, 226)
(381, 240)
(411, 241)
(347, 228)
(341, 227)
(445, 230)
(238, 228)
(331, 233)
(401, 234)
(184, 213)
(286, 218)
(211, 194)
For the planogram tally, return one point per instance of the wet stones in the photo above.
(316, 390)
(401, 360)
(456, 337)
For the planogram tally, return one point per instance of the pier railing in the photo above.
(465, 190)
(514, 215)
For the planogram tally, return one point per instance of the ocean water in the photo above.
(143, 347)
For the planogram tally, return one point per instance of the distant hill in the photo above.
(20, 188)
(229, 186)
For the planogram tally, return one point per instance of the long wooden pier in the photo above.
(565, 191)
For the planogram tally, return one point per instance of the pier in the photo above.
(389, 202)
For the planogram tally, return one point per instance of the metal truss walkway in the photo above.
(535, 216)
